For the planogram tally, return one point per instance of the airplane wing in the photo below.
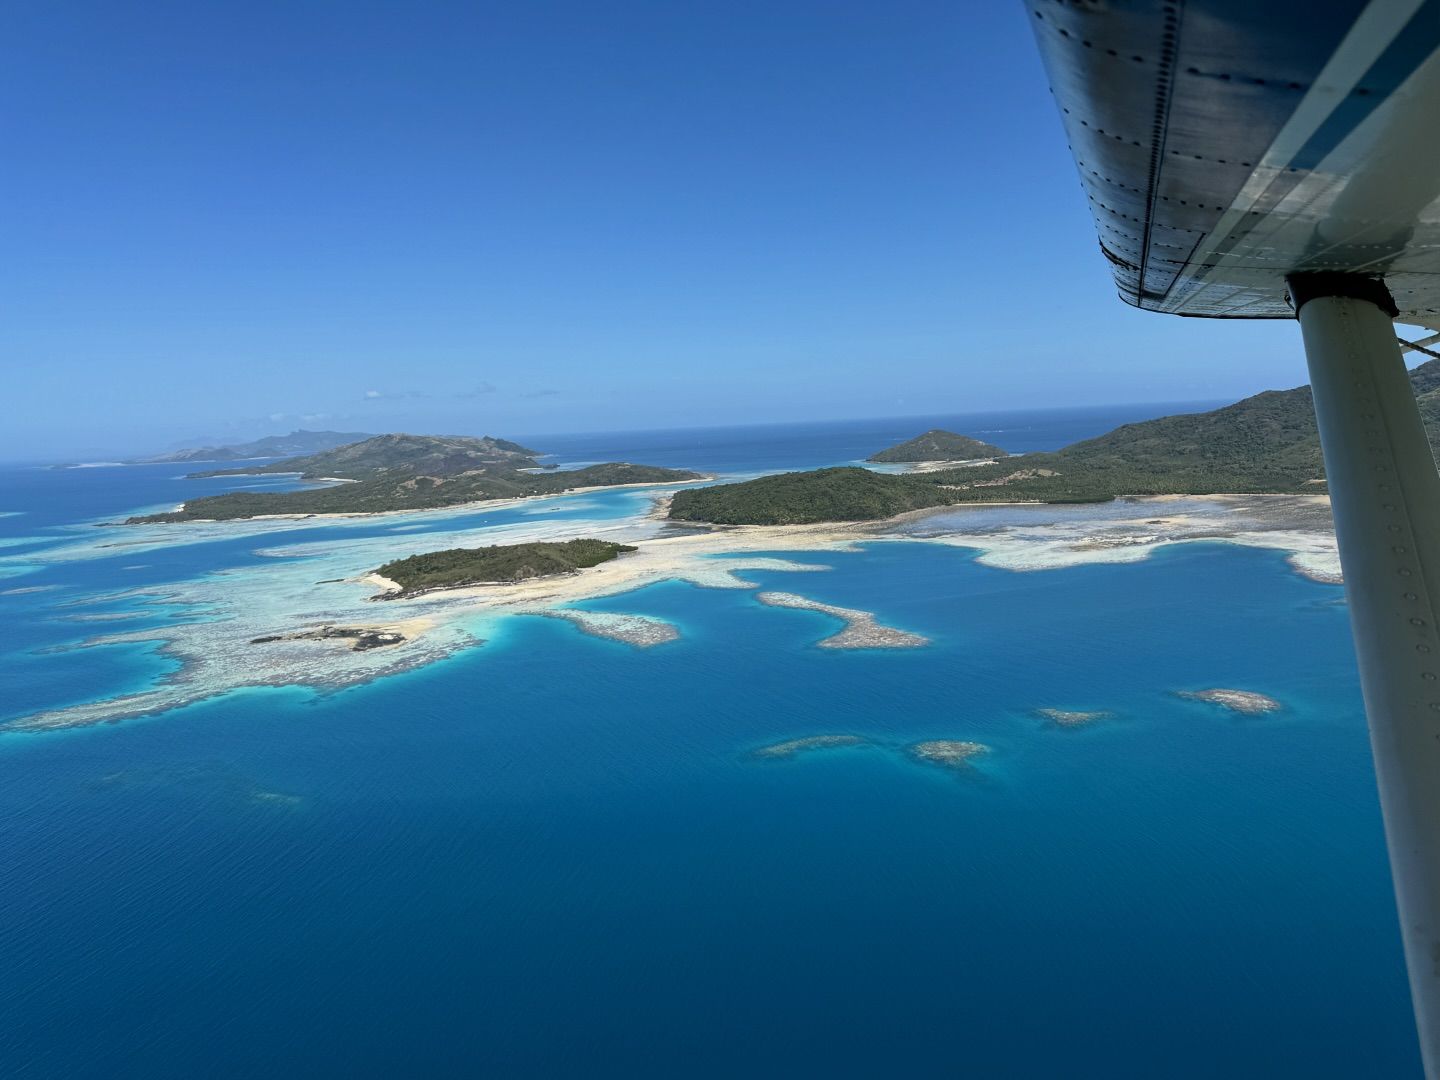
(1264, 159)
(1225, 144)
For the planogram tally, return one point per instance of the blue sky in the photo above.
(231, 219)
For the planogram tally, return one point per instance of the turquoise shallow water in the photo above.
(556, 855)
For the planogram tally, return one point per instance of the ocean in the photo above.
(559, 855)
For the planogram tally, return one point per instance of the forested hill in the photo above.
(939, 445)
(1265, 444)
(432, 455)
(847, 493)
(406, 489)
(410, 472)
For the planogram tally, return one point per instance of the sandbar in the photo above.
(641, 631)
(862, 631)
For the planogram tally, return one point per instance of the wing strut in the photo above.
(1385, 493)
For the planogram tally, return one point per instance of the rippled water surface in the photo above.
(554, 854)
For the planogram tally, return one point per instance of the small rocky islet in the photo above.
(361, 638)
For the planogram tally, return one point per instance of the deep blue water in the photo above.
(554, 855)
(768, 447)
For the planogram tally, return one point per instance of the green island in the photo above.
(938, 445)
(846, 493)
(1266, 444)
(408, 472)
(496, 565)
(436, 454)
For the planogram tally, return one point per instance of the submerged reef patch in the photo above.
(792, 747)
(1241, 701)
(1067, 718)
(301, 583)
(950, 753)
(862, 630)
(217, 777)
(642, 631)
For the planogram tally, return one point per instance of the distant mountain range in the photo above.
(1264, 444)
(409, 472)
(297, 442)
(431, 455)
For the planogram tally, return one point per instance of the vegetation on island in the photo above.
(297, 442)
(1266, 444)
(499, 564)
(410, 472)
(939, 445)
(401, 489)
(433, 455)
(846, 493)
